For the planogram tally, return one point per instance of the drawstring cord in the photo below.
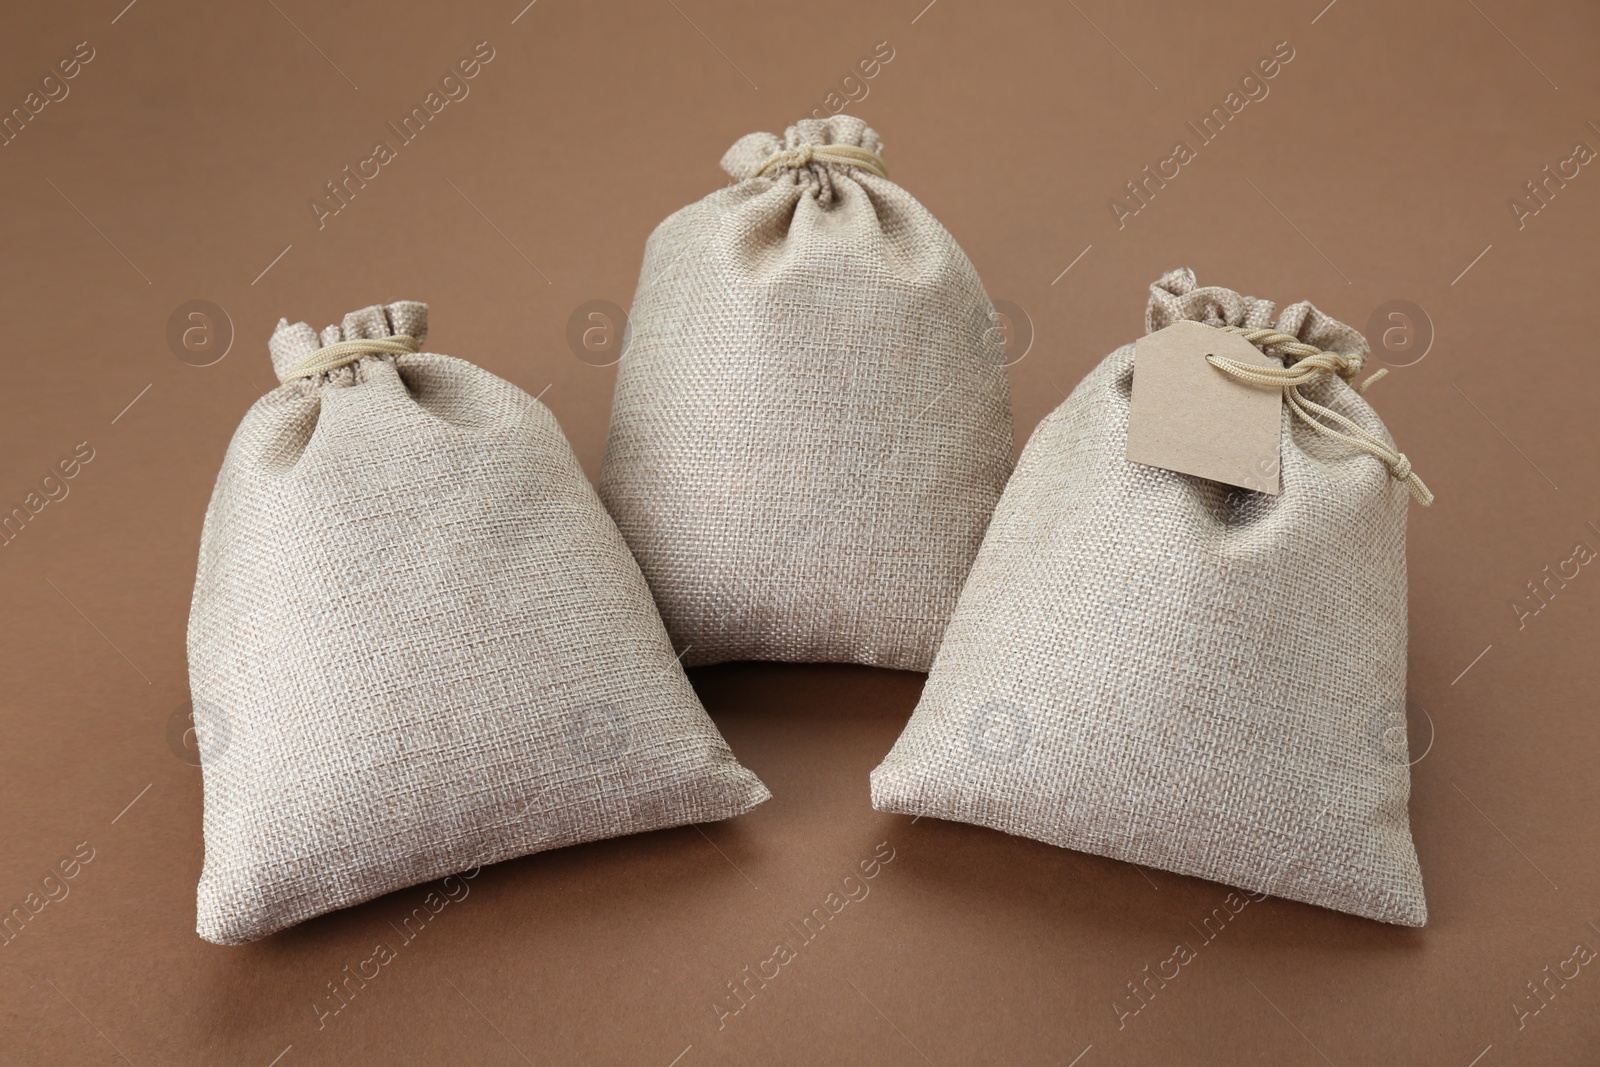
(1312, 365)
(844, 155)
(334, 356)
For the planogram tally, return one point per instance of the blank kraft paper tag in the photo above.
(1188, 416)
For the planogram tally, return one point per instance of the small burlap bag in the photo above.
(417, 643)
(812, 422)
(1165, 670)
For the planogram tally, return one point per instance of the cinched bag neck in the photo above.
(834, 155)
(1312, 345)
(298, 351)
(837, 141)
(1177, 297)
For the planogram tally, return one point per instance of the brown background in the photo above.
(1378, 168)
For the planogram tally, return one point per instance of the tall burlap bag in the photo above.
(1165, 670)
(812, 422)
(417, 643)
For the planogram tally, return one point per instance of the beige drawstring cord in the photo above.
(334, 356)
(1313, 364)
(844, 155)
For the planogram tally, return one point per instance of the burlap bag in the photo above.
(812, 422)
(1162, 669)
(418, 644)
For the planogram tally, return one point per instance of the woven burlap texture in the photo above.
(812, 422)
(1165, 670)
(418, 644)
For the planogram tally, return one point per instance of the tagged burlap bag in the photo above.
(812, 422)
(1165, 670)
(417, 643)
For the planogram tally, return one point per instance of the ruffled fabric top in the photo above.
(1176, 297)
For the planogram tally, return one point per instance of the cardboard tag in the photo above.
(1188, 416)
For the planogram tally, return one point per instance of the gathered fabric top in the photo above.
(400, 326)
